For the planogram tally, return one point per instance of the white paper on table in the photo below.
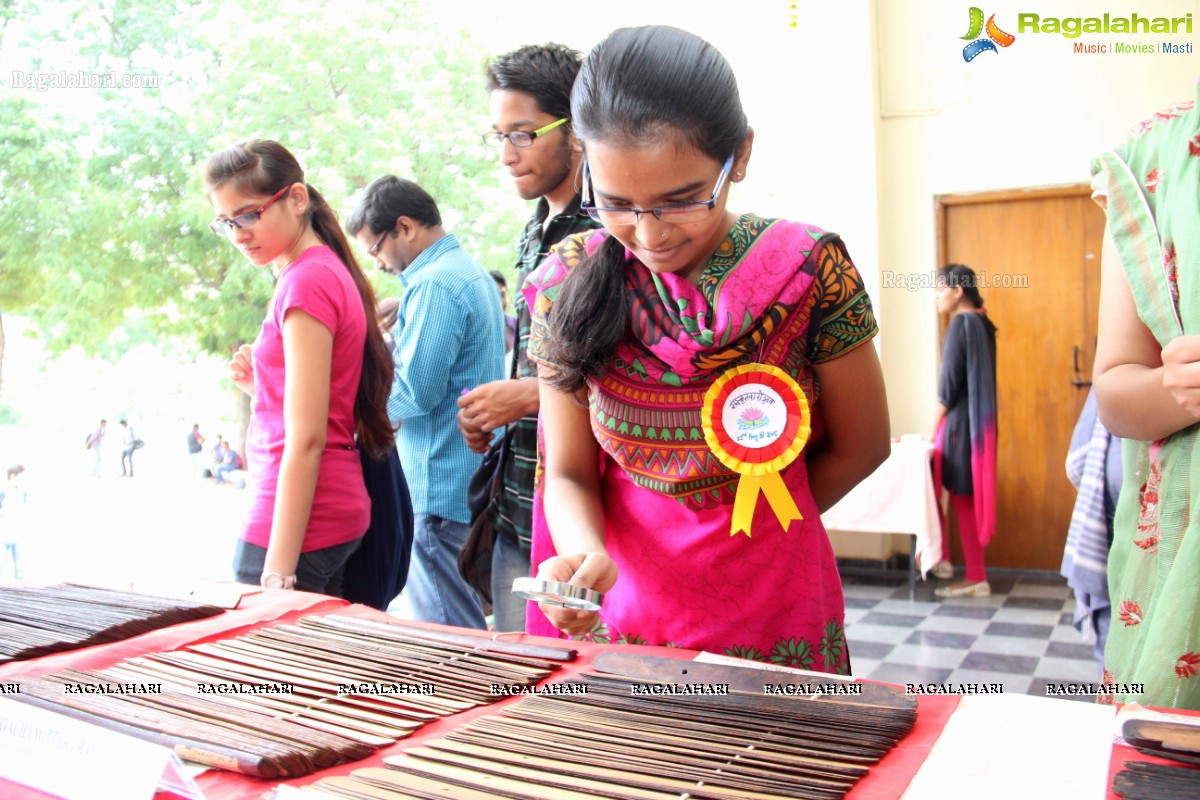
(732, 661)
(997, 747)
(71, 758)
(223, 594)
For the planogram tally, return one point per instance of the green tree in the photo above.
(38, 181)
(354, 91)
(357, 92)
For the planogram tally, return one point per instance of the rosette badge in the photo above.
(756, 421)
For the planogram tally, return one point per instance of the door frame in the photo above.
(943, 204)
(943, 201)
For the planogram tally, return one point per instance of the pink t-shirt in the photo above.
(318, 284)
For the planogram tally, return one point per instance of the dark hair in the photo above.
(638, 86)
(499, 278)
(264, 167)
(640, 83)
(960, 276)
(14, 470)
(387, 199)
(545, 72)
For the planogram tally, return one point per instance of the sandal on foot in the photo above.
(943, 570)
(980, 589)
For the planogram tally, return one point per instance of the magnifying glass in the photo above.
(557, 594)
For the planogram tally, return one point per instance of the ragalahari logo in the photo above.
(995, 36)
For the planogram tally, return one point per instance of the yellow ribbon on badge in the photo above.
(756, 421)
(747, 497)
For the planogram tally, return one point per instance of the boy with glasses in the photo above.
(530, 91)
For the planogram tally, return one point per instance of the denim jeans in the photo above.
(435, 591)
(1099, 624)
(10, 553)
(508, 564)
(317, 571)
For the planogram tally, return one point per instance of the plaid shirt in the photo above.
(512, 513)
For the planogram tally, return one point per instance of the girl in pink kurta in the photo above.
(633, 324)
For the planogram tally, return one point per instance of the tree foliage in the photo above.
(38, 185)
(103, 223)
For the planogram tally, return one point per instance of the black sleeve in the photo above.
(952, 384)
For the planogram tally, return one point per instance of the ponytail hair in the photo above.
(960, 276)
(375, 432)
(589, 318)
(638, 86)
(264, 167)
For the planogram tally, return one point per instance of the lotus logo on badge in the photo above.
(995, 36)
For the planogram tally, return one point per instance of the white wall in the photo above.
(865, 111)
(1032, 114)
(808, 92)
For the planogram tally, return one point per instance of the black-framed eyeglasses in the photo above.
(226, 227)
(520, 138)
(676, 213)
(374, 251)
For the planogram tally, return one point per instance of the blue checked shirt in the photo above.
(449, 337)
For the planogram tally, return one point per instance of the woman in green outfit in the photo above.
(1148, 387)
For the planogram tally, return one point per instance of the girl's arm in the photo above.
(308, 355)
(574, 511)
(853, 404)
(1129, 371)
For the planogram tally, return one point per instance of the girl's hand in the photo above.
(589, 570)
(241, 369)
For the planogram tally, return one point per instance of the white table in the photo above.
(898, 497)
(997, 747)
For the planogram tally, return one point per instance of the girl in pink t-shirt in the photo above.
(319, 372)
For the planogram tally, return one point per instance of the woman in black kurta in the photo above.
(965, 438)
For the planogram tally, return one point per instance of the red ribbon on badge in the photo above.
(756, 420)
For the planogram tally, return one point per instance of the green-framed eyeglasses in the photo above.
(520, 138)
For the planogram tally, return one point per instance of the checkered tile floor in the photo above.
(1020, 636)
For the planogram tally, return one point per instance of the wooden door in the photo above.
(1037, 253)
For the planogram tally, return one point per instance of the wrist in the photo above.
(275, 580)
(532, 400)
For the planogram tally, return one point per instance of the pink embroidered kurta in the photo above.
(775, 292)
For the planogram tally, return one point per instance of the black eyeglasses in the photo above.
(677, 213)
(520, 138)
(226, 227)
(374, 251)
